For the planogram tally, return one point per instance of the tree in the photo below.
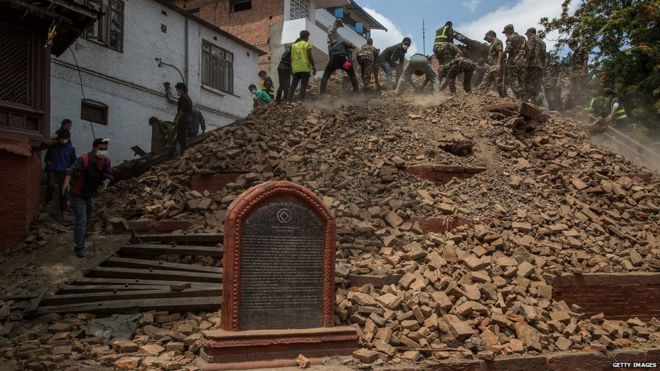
(623, 37)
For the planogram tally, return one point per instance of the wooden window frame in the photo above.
(94, 105)
(103, 25)
(211, 66)
(233, 3)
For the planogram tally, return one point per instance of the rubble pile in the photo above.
(160, 340)
(548, 203)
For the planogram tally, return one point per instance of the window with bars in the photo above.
(217, 68)
(15, 65)
(299, 9)
(109, 28)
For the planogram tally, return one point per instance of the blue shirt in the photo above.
(59, 157)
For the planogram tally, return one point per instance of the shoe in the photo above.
(81, 253)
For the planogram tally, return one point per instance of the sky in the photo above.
(473, 18)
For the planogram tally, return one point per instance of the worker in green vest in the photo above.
(443, 46)
(607, 108)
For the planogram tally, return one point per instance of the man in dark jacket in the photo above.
(284, 75)
(91, 174)
(59, 158)
(183, 116)
(340, 53)
(393, 57)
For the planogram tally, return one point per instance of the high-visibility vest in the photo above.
(442, 36)
(620, 113)
(590, 107)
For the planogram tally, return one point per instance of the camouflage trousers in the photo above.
(367, 70)
(445, 52)
(494, 75)
(514, 80)
(533, 87)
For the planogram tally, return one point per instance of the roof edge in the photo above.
(378, 25)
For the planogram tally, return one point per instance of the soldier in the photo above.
(579, 70)
(515, 60)
(366, 58)
(552, 83)
(455, 67)
(418, 65)
(443, 47)
(495, 61)
(534, 64)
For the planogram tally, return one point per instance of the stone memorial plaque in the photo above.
(282, 266)
(279, 260)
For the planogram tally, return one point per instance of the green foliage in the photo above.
(623, 37)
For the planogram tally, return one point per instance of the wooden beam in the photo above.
(115, 261)
(211, 303)
(155, 274)
(132, 281)
(125, 295)
(213, 251)
(81, 289)
(190, 238)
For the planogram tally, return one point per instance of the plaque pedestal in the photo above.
(230, 350)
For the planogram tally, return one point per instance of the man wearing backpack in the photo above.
(91, 174)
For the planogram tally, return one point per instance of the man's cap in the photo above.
(508, 27)
(531, 30)
(339, 20)
(407, 40)
(491, 33)
(98, 141)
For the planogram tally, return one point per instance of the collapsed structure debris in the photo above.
(428, 270)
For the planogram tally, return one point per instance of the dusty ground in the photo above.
(49, 266)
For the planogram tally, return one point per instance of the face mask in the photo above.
(64, 141)
(101, 154)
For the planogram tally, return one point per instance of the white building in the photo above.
(112, 81)
(317, 17)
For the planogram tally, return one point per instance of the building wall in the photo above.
(251, 25)
(20, 171)
(131, 83)
(618, 295)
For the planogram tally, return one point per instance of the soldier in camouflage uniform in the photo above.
(455, 67)
(495, 60)
(366, 58)
(552, 83)
(579, 72)
(443, 47)
(534, 65)
(515, 60)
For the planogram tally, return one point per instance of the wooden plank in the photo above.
(132, 281)
(155, 274)
(213, 251)
(115, 261)
(81, 289)
(211, 303)
(189, 238)
(124, 295)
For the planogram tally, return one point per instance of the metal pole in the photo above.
(424, 35)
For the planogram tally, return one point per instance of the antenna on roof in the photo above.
(424, 35)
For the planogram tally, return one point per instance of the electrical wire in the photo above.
(82, 89)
